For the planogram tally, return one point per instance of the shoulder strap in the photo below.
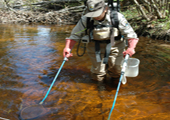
(114, 18)
(114, 8)
(89, 24)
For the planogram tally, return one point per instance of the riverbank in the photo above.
(150, 29)
(154, 29)
(25, 17)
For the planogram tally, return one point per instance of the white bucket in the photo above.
(132, 69)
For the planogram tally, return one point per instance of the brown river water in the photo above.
(30, 56)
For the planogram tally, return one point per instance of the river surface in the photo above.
(30, 56)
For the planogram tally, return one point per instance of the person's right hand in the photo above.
(67, 52)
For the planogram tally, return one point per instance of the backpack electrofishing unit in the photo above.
(114, 7)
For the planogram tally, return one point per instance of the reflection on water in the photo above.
(30, 56)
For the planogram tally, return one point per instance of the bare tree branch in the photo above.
(141, 10)
(156, 9)
(8, 6)
(147, 4)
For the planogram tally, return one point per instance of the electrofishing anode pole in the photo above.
(33, 111)
(120, 80)
(64, 60)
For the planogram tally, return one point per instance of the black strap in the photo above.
(107, 53)
(90, 29)
(118, 5)
(87, 24)
(114, 18)
(115, 23)
(98, 52)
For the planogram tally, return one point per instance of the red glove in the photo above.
(67, 50)
(131, 48)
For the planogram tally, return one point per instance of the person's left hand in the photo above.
(131, 47)
(129, 51)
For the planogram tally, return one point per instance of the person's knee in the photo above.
(97, 77)
(114, 71)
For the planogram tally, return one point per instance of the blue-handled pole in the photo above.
(120, 80)
(65, 59)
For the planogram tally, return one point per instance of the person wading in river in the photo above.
(105, 44)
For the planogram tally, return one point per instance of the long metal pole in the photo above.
(65, 59)
(122, 73)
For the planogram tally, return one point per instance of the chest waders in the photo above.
(114, 24)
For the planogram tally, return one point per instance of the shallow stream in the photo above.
(30, 56)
